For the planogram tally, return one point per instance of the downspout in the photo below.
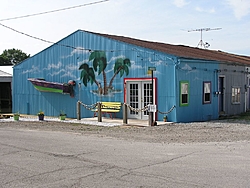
(246, 88)
(216, 90)
(178, 61)
(245, 100)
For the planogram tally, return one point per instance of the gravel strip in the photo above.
(197, 132)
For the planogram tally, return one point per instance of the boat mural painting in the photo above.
(99, 62)
(54, 87)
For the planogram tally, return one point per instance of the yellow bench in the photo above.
(109, 108)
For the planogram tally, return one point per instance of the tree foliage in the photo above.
(87, 74)
(12, 57)
(99, 61)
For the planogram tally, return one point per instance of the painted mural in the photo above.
(99, 62)
(54, 87)
(107, 69)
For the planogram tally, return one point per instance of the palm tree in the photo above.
(121, 66)
(87, 75)
(100, 64)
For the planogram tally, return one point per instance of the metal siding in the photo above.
(234, 77)
(166, 87)
(196, 72)
(50, 66)
(60, 64)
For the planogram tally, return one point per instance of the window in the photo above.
(206, 92)
(184, 93)
(235, 95)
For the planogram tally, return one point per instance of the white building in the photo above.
(6, 89)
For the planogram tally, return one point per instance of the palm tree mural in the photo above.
(88, 75)
(99, 61)
(121, 65)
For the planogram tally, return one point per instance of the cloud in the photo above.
(64, 71)
(180, 3)
(56, 73)
(241, 8)
(135, 66)
(72, 67)
(186, 67)
(34, 69)
(199, 9)
(157, 63)
(77, 50)
(115, 58)
(53, 66)
(69, 74)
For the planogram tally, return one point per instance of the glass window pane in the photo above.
(206, 87)
(235, 95)
(207, 97)
(184, 98)
(207, 92)
(184, 88)
(184, 93)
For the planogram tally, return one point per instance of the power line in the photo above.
(25, 34)
(43, 39)
(47, 41)
(52, 11)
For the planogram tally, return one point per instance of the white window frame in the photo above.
(206, 91)
(184, 91)
(235, 95)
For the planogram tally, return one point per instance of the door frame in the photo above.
(221, 99)
(142, 80)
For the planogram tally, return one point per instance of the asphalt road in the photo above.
(38, 158)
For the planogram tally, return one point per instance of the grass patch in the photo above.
(242, 116)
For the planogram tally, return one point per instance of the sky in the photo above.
(167, 21)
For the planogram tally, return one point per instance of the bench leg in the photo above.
(95, 114)
(104, 113)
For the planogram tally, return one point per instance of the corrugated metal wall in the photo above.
(60, 64)
(52, 65)
(195, 72)
(234, 76)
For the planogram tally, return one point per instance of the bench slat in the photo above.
(107, 110)
(109, 107)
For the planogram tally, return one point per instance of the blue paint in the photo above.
(59, 64)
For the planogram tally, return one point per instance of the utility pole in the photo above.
(201, 44)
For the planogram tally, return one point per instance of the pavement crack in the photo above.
(36, 175)
(10, 153)
(54, 171)
(163, 162)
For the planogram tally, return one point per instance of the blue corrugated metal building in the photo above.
(115, 68)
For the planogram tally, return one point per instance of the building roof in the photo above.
(6, 70)
(183, 51)
(4, 74)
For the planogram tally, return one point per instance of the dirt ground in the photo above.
(212, 131)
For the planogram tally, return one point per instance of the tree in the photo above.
(100, 64)
(121, 65)
(12, 57)
(88, 75)
(99, 61)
